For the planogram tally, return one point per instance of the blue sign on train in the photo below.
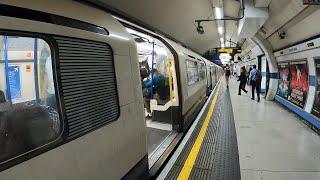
(14, 81)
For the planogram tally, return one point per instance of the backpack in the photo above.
(259, 76)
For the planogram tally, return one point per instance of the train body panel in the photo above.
(89, 155)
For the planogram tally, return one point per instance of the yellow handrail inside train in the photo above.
(170, 78)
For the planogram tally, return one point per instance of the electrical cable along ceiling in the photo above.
(177, 19)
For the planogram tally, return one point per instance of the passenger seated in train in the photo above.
(23, 128)
(2, 97)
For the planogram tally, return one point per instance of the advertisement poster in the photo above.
(298, 83)
(14, 82)
(283, 84)
(316, 105)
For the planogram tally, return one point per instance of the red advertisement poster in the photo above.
(316, 105)
(284, 80)
(298, 83)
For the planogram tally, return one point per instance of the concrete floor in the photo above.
(274, 143)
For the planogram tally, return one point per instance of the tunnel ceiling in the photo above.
(176, 18)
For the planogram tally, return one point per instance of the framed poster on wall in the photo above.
(14, 81)
(316, 104)
(284, 81)
(299, 85)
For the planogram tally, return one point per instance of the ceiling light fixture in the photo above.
(218, 13)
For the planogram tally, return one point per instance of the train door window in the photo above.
(192, 72)
(29, 116)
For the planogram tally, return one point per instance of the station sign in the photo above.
(311, 2)
(229, 50)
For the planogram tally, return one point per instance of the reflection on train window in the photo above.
(28, 109)
(192, 72)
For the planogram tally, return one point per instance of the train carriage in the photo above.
(80, 89)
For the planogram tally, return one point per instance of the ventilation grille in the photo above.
(88, 84)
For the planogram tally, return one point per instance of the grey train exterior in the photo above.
(113, 145)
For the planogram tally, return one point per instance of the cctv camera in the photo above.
(282, 35)
(200, 29)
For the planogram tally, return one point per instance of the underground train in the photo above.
(89, 96)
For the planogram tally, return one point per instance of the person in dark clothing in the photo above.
(258, 84)
(2, 97)
(227, 74)
(159, 83)
(243, 80)
(248, 80)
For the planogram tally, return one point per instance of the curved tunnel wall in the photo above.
(273, 67)
(307, 51)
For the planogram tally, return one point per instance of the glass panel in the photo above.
(192, 72)
(161, 77)
(29, 116)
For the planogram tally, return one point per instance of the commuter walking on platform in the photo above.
(243, 80)
(227, 75)
(253, 80)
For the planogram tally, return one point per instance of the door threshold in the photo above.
(156, 154)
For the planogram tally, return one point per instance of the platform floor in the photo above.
(215, 155)
(273, 142)
(155, 138)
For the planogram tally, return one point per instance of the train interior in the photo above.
(27, 95)
(159, 89)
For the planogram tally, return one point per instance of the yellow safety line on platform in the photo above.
(191, 159)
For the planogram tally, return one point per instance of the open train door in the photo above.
(160, 92)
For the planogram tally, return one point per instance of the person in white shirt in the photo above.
(47, 93)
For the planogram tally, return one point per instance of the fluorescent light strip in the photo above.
(218, 13)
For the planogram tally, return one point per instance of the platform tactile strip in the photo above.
(218, 157)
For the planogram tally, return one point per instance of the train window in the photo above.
(202, 71)
(29, 115)
(88, 84)
(192, 72)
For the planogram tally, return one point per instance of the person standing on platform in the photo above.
(47, 92)
(243, 80)
(253, 80)
(227, 75)
(258, 83)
